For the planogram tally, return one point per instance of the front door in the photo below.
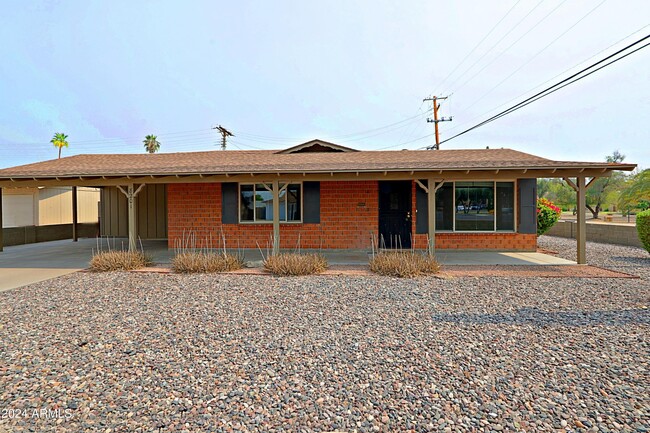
(395, 214)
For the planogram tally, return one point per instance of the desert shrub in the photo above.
(113, 260)
(293, 264)
(643, 228)
(547, 215)
(403, 264)
(201, 262)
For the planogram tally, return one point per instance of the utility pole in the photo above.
(224, 133)
(435, 119)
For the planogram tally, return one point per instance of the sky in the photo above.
(279, 73)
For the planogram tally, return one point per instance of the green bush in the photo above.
(643, 228)
(547, 215)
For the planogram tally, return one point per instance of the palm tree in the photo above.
(59, 140)
(151, 143)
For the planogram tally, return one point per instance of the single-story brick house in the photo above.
(321, 195)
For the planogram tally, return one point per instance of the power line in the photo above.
(363, 134)
(476, 46)
(208, 134)
(509, 46)
(410, 133)
(550, 79)
(535, 56)
(561, 84)
(496, 44)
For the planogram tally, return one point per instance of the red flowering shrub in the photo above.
(547, 215)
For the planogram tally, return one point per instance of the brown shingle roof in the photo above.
(269, 161)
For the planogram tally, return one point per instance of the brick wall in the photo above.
(487, 241)
(349, 214)
(193, 208)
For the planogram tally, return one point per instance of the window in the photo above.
(473, 206)
(256, 202)
(505, 202)
(445, 207)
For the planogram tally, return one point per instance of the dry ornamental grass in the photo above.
(204, 262)
(403, 264)
(293, 264)
(106, 261)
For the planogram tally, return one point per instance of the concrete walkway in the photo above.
(498, 258)
(26, 264)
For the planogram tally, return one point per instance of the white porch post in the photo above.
(131, 194)
(581, 233)
(431, 207)
(276, 217)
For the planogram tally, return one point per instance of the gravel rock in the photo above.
(134, 352)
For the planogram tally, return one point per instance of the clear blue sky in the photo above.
(277, 73)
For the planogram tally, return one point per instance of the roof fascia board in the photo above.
(578, 169)
(320, 176)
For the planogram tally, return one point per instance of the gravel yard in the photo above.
(130, 352)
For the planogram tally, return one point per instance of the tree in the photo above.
(151, 143)
(557, 191)
(59, 140)
(601, 187)
(636, 192)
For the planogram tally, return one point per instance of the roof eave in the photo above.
(518, 171)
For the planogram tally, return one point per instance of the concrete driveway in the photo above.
(21, 265)
(25, 264)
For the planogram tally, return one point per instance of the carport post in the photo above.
(581, 205)
(130, 198)
(1, 229)
(74, 214)
(276, 217)
(431, 190)
(431, 208)
(581, 233)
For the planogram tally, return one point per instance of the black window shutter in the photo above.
(311, 202)
(527, 205)
(229, 201)
(421, 210)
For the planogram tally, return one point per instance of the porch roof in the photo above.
(98, 168)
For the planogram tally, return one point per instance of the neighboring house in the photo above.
(47, 206)
(323, 194)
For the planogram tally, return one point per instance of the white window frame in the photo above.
(268, 187)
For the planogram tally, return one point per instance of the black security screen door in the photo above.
(395, 214)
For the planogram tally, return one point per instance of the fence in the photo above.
(619, 234)
(55, 232)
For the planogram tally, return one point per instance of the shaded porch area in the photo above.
(21, 265)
